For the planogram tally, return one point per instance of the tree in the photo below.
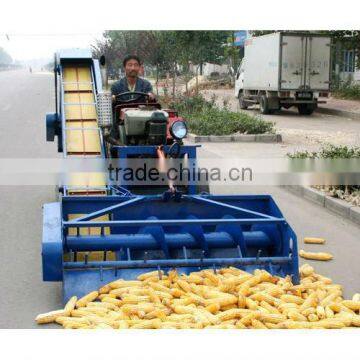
(5, 58)
(164, 50)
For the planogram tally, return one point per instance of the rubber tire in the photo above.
(242, 103)
(305, 109)
(264, 105)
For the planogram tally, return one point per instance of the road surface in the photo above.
(24, 100)
(299, 131)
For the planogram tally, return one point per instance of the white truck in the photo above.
(283, 69)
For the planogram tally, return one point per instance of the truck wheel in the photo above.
(242, 102)
(264, 105)
(306, 109)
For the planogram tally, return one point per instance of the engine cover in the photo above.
(135, 120)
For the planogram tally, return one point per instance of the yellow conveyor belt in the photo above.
(82, 138)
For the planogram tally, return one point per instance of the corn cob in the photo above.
(86, 299)
(227, 299)
(314, 240)
(322, 256)
(50, 316)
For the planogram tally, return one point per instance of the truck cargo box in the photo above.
(287, 61)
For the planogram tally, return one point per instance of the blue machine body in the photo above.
(150, 232)
(164, 231)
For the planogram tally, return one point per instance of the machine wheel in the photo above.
(242, 102)
(264, 105)
(306, 109)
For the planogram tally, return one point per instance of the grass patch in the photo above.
(205, 118)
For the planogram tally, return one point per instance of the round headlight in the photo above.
(178, 129)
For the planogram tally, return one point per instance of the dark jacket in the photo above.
(121, 86)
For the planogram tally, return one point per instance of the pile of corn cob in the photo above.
(226, 299)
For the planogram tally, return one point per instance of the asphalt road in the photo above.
(24, 100)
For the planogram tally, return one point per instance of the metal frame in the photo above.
(147, 232)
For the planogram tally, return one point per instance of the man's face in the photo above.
(132, 68)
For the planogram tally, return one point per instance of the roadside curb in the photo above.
(335, 205)
(343, 113)
(264, 138)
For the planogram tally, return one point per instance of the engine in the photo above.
(147, 127)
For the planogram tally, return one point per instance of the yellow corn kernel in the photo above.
(356, 297)
(86, 299)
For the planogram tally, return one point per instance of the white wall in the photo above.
(209, 68)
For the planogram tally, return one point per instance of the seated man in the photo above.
(132, 82)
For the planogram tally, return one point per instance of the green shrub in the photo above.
(350, 193)
(328, 151)
(347, 91)
(205, 118)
